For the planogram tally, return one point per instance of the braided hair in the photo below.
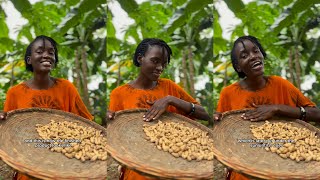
(144, 46)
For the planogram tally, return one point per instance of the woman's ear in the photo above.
(140, 59)
(28, 60)
(238, 68)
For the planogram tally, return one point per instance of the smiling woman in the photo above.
(267, 96)
(43, 90)
(149, 91)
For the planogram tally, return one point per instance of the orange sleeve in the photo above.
(224, 101)
(76, 104)
(115, 101)
(10, 102)
(182, 94)
(297, 96)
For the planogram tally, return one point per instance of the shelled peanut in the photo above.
(74, 141)
(180, 140)
(300, 144)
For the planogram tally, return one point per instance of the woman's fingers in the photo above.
(217, 116)
(3, 116)
(151, 113)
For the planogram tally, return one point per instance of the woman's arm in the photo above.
(160, 106)
(264, 112)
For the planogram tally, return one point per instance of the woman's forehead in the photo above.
(157, 50)
(42, 43)
(245, 44)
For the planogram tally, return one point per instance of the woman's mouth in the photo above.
(46, 63)
(257, 65)
(156, 74)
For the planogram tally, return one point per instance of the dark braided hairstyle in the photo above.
(234, 58)
(28, 51)
(146, 44)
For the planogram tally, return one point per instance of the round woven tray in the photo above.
(257, 161)
(41, 162)
(127, 144)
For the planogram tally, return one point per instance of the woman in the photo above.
(267, 95)
(43, 90)
(149, 91)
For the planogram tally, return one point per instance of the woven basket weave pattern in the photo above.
(127, 144)
(41, 162)
(258, 162)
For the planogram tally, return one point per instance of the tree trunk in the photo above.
(12, 75)
(191, 70)
(291, 79)
(84, 78)
(298, 70)
(225, 79)
(184, 73)
(119, 74)
(78, 72)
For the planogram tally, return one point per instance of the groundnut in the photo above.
(180, 141)
(299, 144)
(90, 143)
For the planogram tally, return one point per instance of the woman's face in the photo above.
(153, 62)
(42, 56)
(250, 59)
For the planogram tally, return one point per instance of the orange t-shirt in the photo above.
(126, 97)
(276, 91)
(61, 96)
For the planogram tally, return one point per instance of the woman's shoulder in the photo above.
(17, 87)
(121, 88)
(278, 80)
(231, 87)
(167, 82)
(62, 81)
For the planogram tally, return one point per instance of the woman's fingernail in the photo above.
(153, 118)
(144, 116)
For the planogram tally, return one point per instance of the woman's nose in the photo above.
(45, 55)
(159, 67)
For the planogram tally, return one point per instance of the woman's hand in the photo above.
(260, 113)
(3, 115)
(109, 116)
(217, 116)
(157, 108)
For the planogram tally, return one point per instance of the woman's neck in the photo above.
(254, 83)
(41, 81)
(143, 83)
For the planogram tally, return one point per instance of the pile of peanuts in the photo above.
(90, 143)
(303, 146)
(180, 141)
